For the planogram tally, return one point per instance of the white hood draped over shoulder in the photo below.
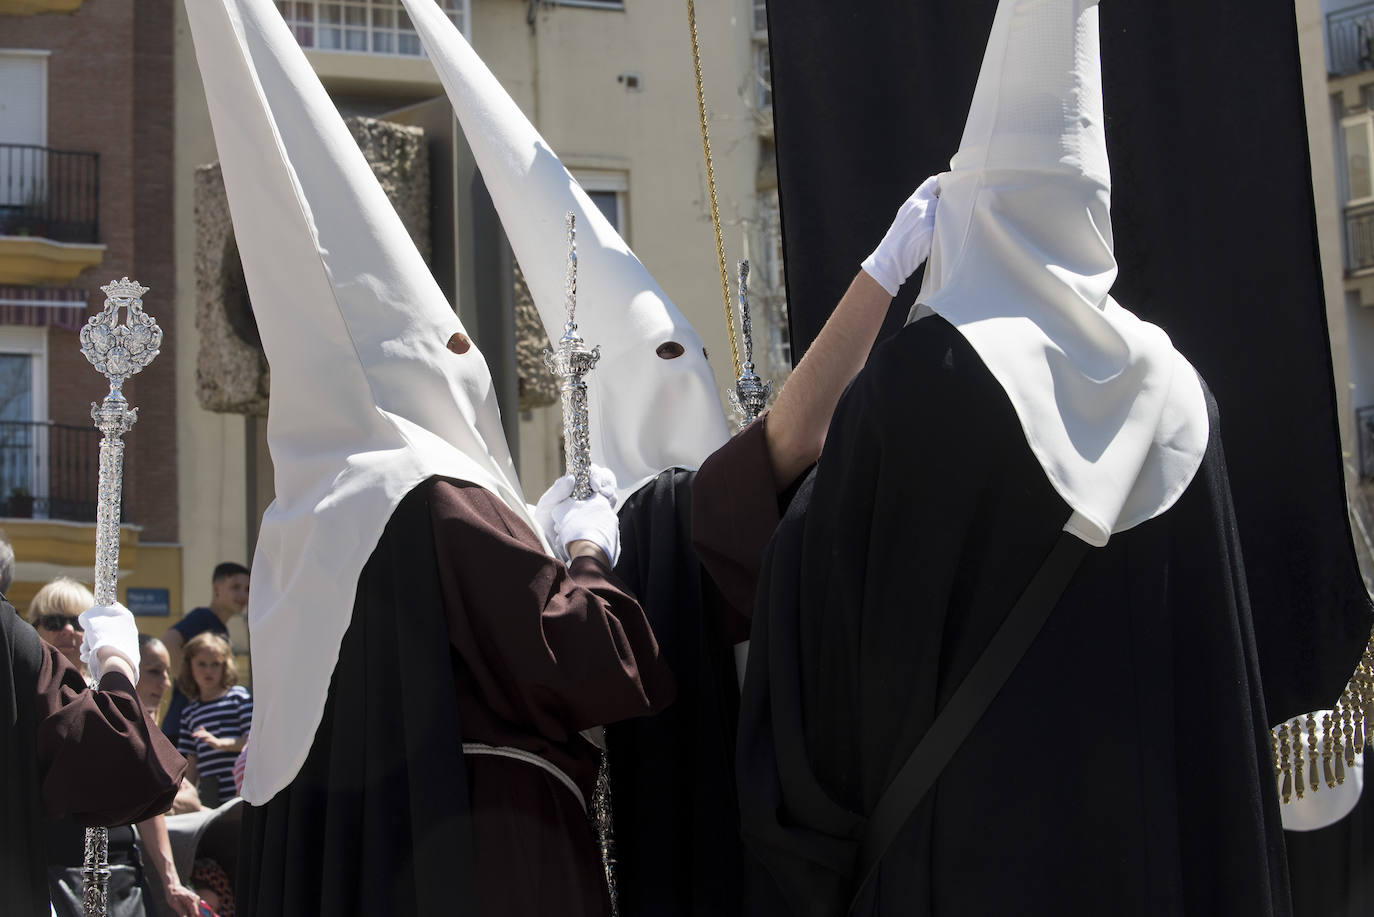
(653, 396)
(368, 400)
(1022, 263)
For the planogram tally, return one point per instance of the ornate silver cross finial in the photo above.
(570, 362)
(118, 351)
(750, 394)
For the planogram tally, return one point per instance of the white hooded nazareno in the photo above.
(367, 399)
(653, 397)
(1022, 263)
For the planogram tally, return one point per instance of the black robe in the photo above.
(1123, 769)
(67, 751)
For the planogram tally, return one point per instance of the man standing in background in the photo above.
(228, 597)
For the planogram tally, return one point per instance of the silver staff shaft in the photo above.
(570, 361)
(750, 394)
(118, 351)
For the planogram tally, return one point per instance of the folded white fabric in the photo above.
(109, 627)
(565, 520)
(907, 242)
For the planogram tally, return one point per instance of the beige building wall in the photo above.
(210, 446)
(571, 76)
(1312, 48)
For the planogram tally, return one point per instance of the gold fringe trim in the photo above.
(1343, 733)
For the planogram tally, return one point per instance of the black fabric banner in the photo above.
(1214, 231)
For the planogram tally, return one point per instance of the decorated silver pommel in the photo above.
(750, 394)
(570, 361)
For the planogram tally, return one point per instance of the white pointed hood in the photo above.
(647, 413)
(367, 401)
(1022, 263)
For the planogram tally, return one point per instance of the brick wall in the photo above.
(110, 92)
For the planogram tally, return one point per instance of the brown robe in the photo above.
(736, 505)
(463, 631)
(69, 751)
(547, 651)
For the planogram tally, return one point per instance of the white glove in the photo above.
(907, 242)
(565, 520)
(109, 627)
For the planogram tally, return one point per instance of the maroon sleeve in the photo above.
(100, 758)
(558, 649)
(734, 513)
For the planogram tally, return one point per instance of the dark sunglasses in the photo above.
(56, 622)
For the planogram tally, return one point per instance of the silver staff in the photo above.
(750, 394)
(118, 351)
(571, 362)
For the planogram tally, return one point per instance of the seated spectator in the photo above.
(155, 678)
(228, 597)
(54, 611)
(6, 564)
(214, 725)
(156, 847)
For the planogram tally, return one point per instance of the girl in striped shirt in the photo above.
(214, 725)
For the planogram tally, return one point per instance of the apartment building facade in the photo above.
(85, 197)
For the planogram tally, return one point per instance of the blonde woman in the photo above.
(54, 613)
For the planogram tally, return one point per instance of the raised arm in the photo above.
(801, 414)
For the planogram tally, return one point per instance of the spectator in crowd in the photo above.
(228, 597)
(54, 613)
(154, 681)
(156, 846)
(6, 563)
(214, 725)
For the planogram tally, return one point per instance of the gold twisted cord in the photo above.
(711, 189)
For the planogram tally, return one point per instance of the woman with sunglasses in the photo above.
(54, 611)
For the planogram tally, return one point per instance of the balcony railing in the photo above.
(52, 194)
(48, 470)
(1364, 435)
(363, 26)
(1359, 238)
(1350, 39)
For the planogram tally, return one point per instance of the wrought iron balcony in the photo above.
(1364, 436)
(48, 470)
(1359, 238)
(49, 194)
(1350, 40)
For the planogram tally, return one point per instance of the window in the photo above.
(23, 408)
(594, 4)
(23, 127)
(607, 189)
(363, 26)
(760, 17)
(1357, 147)
(763, 76)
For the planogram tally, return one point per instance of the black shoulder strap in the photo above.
(970, 700)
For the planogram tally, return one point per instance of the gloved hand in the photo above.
(907, 242)
(565, 520)
(109, 627)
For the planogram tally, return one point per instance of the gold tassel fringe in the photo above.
(1343, 733)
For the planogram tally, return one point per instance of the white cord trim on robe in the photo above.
(529, 757)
